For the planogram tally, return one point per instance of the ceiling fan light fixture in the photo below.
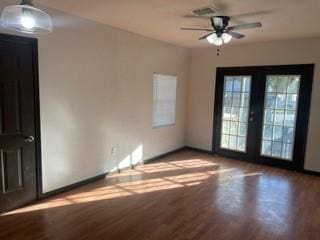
(211, 38)
(26, 18)
(214, 39)
(218, 41)
(226, 37)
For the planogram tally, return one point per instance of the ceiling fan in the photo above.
(221, 33)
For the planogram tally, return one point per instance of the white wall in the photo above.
(202, 83)
(96, 93)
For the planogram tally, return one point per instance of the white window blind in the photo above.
(164, 100)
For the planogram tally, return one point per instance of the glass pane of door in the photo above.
(236, 100)
(280, 113)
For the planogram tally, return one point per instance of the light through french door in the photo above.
(235, 112)
(280, 112)
(261, 113)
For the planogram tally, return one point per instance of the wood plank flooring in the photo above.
(188, 195)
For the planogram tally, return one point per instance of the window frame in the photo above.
(156, 124)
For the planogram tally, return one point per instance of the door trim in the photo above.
(36, 99)
(303, 115)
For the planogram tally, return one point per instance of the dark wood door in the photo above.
(18, 174)
(234, 113)
(261, 113)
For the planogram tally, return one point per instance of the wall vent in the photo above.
(204, 11)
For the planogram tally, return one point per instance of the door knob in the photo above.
(29, 139)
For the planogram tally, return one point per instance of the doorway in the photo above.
(20, 168)
(261, 114)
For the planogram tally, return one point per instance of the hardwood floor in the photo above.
(188, 195)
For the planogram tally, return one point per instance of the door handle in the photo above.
(251, 116)
(29, 139)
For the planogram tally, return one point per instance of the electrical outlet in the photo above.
(114, 151)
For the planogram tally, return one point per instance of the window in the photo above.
(164, 100)
(236, 96)
(280, 112)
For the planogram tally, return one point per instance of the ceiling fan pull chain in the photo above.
(218, 51)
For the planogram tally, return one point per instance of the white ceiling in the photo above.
(162, 19)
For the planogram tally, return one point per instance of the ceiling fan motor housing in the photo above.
(219, 23)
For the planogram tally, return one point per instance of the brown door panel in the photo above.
(18, 173)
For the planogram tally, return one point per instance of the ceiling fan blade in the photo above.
(252, 14)
(204, 37)
(245, 26)
(236, 35)
(197, 29)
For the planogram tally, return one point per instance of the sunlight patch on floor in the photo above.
(128, 187)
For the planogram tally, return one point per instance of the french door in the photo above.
(261, 114)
